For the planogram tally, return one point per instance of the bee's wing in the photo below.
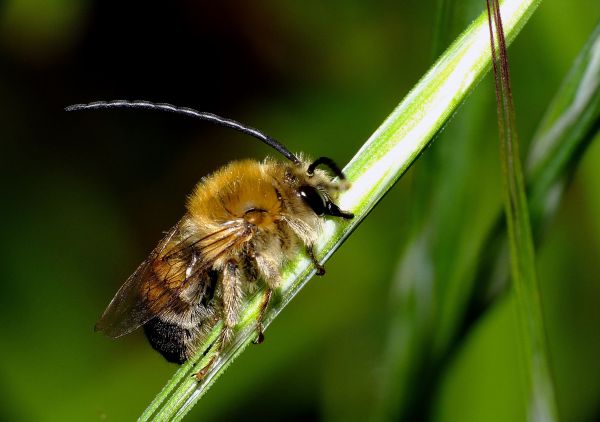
(128, 309)
(156, 286)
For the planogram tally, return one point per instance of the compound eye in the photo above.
(313, 199)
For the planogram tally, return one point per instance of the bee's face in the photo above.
(315, 190)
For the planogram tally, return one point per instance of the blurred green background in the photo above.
(85, 196)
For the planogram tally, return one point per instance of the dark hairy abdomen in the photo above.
(168, 339)
(173, 341)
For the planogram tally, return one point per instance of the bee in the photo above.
(242, 224)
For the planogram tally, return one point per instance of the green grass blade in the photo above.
(554, 165)
(377, 166)
(407, 356)
(443, 21)
(430, 291)
(451, 18)
(569, 124)
(540, 387)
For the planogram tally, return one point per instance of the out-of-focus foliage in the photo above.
(85, 197)
(539, 395)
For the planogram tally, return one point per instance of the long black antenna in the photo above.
(275, 144)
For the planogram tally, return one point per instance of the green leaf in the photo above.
(540, 386)
(417, 324)
(434, 278)
(387, 154)
(570, 123)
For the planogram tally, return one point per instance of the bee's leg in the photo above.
(313, 258)
(263, 308)
(202, 373)
(270, 273)
(268, 270)
(232, 299)
(218, 344)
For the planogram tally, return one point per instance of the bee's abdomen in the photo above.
(170, 340)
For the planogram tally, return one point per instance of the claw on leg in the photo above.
(260, 337)
(313, 258)
(202, 373)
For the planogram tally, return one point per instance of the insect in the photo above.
(243, 222)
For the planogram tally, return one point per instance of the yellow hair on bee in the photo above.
(232, 191)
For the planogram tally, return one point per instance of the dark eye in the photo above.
(313, 199)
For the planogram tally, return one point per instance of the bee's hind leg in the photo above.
(232, 299)
(202, 372)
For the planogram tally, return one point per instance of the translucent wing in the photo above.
(163, 282)
(128, 309)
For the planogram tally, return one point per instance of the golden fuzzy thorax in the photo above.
(263, 196)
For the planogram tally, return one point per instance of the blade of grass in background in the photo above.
(380, 162)
(541, 401)
(408, 357)
(570, 123)
(561, 140)
(452, 213)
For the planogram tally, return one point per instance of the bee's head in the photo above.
(316, 189)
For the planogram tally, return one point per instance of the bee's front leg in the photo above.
(311, 254)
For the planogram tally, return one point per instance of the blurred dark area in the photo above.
(86, 195)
